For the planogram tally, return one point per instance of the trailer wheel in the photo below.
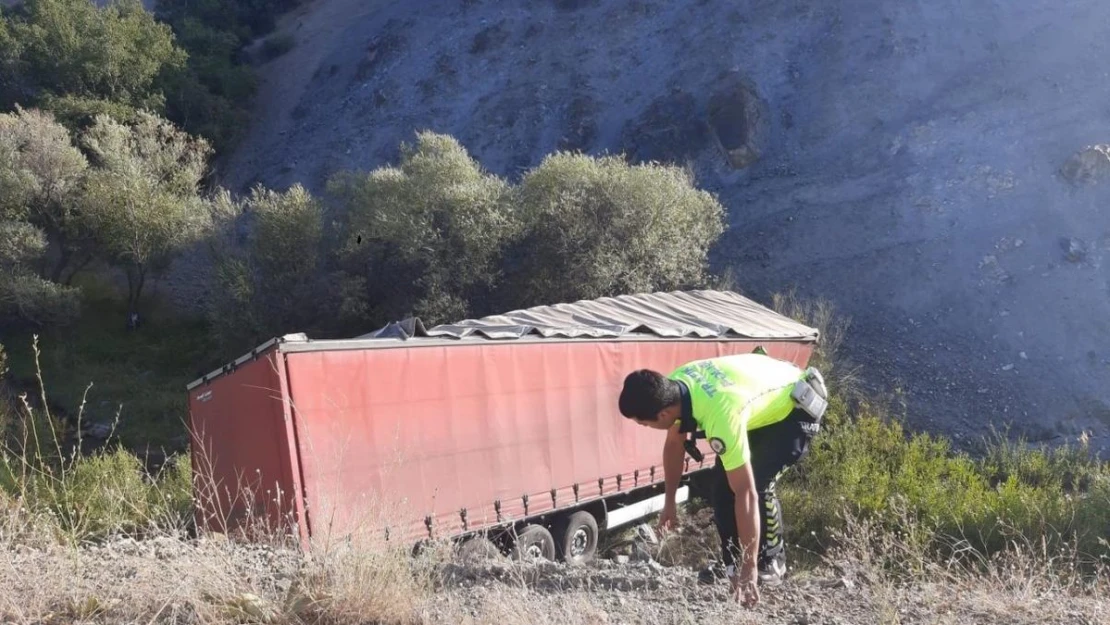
(578, 537)
(534, 542)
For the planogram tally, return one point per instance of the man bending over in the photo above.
(759, 414)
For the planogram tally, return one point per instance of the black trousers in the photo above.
(773, 449)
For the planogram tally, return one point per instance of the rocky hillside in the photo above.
(906, 160)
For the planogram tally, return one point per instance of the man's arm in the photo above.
(742, 482)
(673, 453)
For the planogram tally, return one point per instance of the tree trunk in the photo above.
(84, 262)
(136, 277)
(136, 288)
(59, 267)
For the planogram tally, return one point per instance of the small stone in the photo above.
(1008, 367)
(622, 559)
(1023, 356)
(1075, 250)
(1088, 166)
(840, 582)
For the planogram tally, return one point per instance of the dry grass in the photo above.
(94, 539)
(833, 328)
(1025, 582)
(172, 578)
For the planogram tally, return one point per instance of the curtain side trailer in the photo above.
(505, 427)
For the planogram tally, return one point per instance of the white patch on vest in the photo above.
(717, 445)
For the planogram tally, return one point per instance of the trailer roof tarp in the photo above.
(690, 315)
(700, 314)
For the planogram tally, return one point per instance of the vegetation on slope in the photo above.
(99, 194)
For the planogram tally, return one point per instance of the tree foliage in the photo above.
(40, 172)
(24, 296)
(142, 197)
(41, 179)
(210, 96)
(272, 284)
(439, 238)
(426, 236)
(599, 226)
(80, 60)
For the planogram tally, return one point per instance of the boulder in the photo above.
(738, 120)
(1090, 165)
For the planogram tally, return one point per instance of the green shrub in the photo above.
(25, 298)
(85, 496)
(142, 199)
(866, 467)
(599, 226)
(271, 285)
(425, 237)
(211, 95)
(77, 52)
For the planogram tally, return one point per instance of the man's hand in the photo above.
(742, 483)
(745, 589)
(668, 517)
(673, 452)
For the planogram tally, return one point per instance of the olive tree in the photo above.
(598, 226)
(425, 237)
(272, 284)
(24, 296)
(142, 196)
(78, 59)
(41, 179)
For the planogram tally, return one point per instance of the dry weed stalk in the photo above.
(1027, 576)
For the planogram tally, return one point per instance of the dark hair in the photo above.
(645, 393)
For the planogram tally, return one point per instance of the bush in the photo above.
(211, 96)
(867, 468)
(24, 297)
(142, 199)
(599, 226)
(426, 237)
(277, 45)
(83, 497)
(439, 238)
(41, 178)
(75, 52)
(272, 286)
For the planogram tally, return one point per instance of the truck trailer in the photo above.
(503, 429)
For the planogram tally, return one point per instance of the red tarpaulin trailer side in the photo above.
(438, 437)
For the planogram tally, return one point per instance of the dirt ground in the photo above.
(167, 580)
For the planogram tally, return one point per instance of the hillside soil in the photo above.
(911, 162)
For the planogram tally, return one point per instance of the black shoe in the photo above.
(712, 574)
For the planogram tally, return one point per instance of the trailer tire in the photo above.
(577, 537)
(533, 541)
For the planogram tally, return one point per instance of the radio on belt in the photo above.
(810, 394)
